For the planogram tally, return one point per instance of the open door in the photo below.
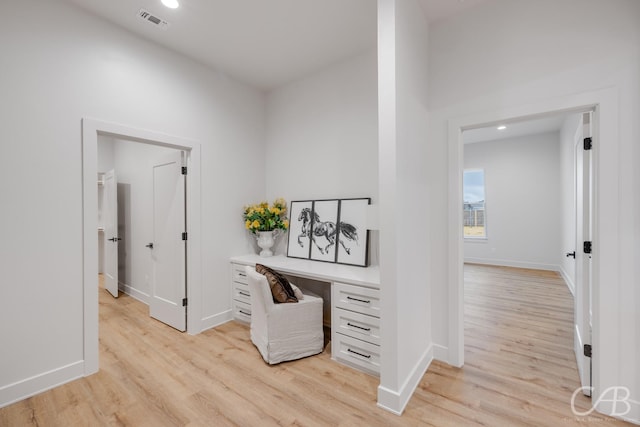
(110, 216)
(168, 249)
(582, 305)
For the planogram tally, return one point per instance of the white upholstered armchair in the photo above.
(284, 331)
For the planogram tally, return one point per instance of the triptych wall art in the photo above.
(330, 231)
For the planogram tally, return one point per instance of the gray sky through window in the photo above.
(473, 188)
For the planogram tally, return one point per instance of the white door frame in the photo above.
(91, 128)
(605, 233)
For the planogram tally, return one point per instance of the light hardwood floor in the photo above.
(519, 370)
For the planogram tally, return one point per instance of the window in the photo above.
(474, 217)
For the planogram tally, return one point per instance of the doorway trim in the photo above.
(604, 103)
(91, 129)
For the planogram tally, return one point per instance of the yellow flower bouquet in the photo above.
(262, 217)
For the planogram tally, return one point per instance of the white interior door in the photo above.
(582, 305)
(168, 289)
(110, 218)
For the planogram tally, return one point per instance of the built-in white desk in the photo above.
(355, 304)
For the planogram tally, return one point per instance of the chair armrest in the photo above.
(289, 319)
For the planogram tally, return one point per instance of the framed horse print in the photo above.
(324, 230)
(330, 231)
(298, 245)
(353, 237)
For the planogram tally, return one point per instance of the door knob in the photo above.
(114, 239)
(571, 254)
(150, 246)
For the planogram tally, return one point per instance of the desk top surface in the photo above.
(323, 271)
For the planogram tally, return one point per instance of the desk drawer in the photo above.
(356, 325)
(241, 311)
(238, 273)
(356, 298)
(360, 354)
(241, 292)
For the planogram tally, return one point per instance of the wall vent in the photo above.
(152, 19)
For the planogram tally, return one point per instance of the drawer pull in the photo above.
(359, 354)
(356, 326)
(244, 294)
(244, 312)
(359, 300)
(242, 274)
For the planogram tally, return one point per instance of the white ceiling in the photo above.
(515, 129)
(263, 43)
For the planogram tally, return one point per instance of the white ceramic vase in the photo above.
(266, 240)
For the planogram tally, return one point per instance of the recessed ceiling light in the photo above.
(171, 4)
(501, 127)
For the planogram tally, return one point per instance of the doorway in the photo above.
(605, 205)
(142, 218)
(528, 171)
(91, 130)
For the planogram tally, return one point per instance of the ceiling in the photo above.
(515, 129)
(262, 43)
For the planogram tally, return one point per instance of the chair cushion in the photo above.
(280, 287)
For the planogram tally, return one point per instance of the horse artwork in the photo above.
(330, 231)
(299, 238)
(313, 227)
(353, 227)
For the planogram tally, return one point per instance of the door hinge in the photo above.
(587, 350)
(184, 302)
(184, 170)
(184, 236)
(586, 247)
(588, 143)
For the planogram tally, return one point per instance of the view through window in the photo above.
(474, 218)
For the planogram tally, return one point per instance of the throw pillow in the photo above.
(280, 288)
(297, 292)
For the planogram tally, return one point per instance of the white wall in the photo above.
(106, 161)
(106, 154)
(62, 65)
(404, 201)
(522, 195)
(568, 202)
(513, 53)
(322, 134)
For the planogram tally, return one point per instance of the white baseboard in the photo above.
(633, 416)
(206, 323)
(216, 320)
(512, 263)
(568, 281)
(42, 382)
(395, 401)
(441, 353)
(134, 293)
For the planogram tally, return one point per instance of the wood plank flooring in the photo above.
(519, 370)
